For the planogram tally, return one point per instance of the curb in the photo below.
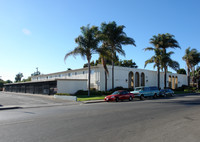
(9, 107)
(93, 101)
(34, 106)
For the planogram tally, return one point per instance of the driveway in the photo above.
(22, 99)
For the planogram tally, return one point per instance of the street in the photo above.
(161, 120)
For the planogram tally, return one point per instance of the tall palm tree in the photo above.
(192, 58)
(114, 37)
(164, 41)
(156, 59)
(87, 45)
(167, 61)
(104, 57)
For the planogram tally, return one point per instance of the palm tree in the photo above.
(166, 61)
(104, 56)
(192, 58)
(164, 41)
(87, 45)
(156, 59)
(114, 37)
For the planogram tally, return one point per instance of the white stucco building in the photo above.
(124, 76)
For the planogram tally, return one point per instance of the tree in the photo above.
(167, 61)
(164, 41)
(126, 63)
(113, 36)
(8, 81)
(28, 79)
(181, 71)
(103, 59)
(192, 58)
(197, 76)
(18, 77)
(156, 59)
(1, 84)
(87, 45)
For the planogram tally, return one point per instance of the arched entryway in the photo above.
(176, 82)
(142, 79)
(131, 80)
(137, 79)
(173, 82)
(170, 82)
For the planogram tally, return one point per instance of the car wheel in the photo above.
(130, 98)
(142, 97)
(117, 99)
(172, 95)
(154, 96)
(164, 95)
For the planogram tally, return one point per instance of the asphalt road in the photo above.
(160, 120)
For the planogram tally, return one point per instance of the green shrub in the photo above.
(63, 94)
(179, 89)
(116, 88)
(92, 93)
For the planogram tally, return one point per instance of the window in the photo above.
(75, 73)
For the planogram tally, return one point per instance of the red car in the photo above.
(119, 95)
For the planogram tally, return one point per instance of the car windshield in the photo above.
(116, 93)
(138, 89)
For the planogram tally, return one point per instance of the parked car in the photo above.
(142, 92)
(119, 95)
(166, 92)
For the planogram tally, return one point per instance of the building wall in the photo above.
(71, 86)
(122, 77)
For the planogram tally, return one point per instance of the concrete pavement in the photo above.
(11, 100)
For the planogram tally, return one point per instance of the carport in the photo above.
(39, 87)
(48, 87)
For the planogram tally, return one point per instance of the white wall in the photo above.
(71, 86)
(122, 75)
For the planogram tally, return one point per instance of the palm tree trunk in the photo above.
(158, 72)
(165, 77)
(112, 74)
(188, 76)
(88, 77)
(112, 67)
(105, 81)
(193, 78)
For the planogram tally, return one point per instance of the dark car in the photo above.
(166, 92)
(119, 95)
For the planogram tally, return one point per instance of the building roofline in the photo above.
(67, 71)
(52, 80)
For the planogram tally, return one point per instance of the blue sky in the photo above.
(38, 33)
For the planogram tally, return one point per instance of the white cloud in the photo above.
(26, 31)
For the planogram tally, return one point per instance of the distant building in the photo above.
(72, 80)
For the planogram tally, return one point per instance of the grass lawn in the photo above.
(86, 98)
